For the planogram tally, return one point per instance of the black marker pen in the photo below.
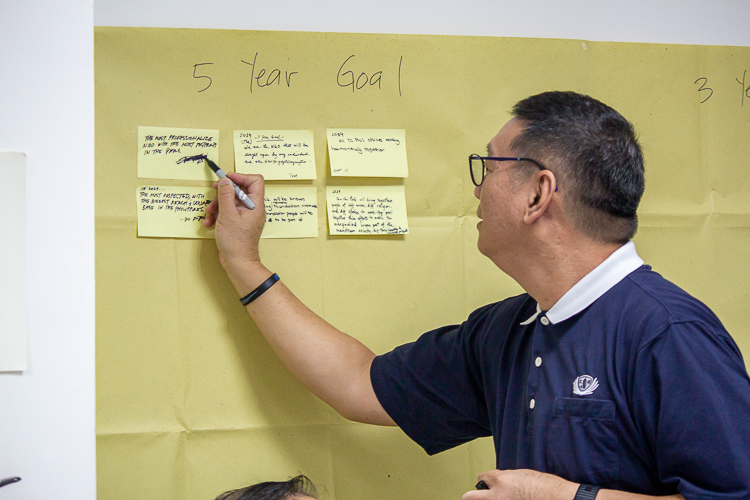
(9, 480)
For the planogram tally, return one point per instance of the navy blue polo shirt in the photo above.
(628, 383)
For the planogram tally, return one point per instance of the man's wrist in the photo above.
(241, 260)
(260, 290)
(246, 275)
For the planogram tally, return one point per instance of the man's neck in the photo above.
(559, 266)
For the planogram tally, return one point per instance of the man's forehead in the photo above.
(500, 144)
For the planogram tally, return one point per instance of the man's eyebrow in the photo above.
(488, 149)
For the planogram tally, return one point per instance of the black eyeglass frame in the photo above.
(497, 158)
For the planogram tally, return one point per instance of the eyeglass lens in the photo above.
(477, 170)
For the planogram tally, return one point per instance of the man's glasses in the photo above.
(478, 170)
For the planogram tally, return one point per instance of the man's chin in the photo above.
(480, 247)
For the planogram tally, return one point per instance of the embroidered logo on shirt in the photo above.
(585, 385)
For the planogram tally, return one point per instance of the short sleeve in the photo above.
(692, 399)
(431, 389)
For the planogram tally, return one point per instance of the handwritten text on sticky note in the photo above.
(179, 212)
(176, 153)
(366, 210)
(367, 152)
(173, 211)
(275, 154)
(291, 212)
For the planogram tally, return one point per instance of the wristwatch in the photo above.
(586, 492)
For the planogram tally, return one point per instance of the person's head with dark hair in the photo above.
(297, 488)
(593, 152)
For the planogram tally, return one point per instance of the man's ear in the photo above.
(542, 187)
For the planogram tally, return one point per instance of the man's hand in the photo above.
(238, 228)
(522, 484)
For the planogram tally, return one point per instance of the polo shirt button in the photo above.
(545, 321)
(538, 362)
(532, 403)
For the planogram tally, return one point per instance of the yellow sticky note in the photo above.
(291, 212)
(176, 153)
(173, 211)
(275, 154)
(367, 152)
(366, 210)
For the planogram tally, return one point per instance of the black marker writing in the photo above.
(274, 76)
(195, 158)
(745, 90)
(399, 75)
(704, 88)
(210, 81)
(289, 209)
(346, 79)
(159, 200)
(363, 215)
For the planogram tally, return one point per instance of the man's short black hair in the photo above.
(595, 155)
(273, 490)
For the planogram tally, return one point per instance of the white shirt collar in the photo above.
(622, 262)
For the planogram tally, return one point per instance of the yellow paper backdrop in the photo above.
(191, 401)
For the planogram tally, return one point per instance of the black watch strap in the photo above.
(586, 492)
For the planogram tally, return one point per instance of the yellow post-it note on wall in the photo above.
(176, 153)
(291, 212)
(367, 152)
(173, 211)
(275, 154)
(366, 210)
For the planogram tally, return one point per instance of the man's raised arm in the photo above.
(331, 364)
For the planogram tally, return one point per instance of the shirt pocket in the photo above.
(582, 440)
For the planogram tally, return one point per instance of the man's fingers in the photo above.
(488, 479)
(225, 195)
(226, 201)
(244, 181)
(251, 184)
(210, 220)
(485, 481)
(474, 495)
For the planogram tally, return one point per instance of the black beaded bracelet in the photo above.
(259, 291)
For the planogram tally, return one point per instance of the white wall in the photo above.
(47, 111)
(706, 22)
(47, 413)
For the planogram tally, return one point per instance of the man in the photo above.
(602, 375)
(296, 488)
